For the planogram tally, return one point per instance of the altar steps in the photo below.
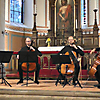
(47, 90)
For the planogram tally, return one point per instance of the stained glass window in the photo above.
(17, 11)
(84, 13)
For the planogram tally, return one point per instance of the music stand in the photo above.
(5, 57)
(27, 57)
(60, 59)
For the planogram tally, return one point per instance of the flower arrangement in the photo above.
(48, 41)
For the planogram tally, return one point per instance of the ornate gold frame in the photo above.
(74, 17)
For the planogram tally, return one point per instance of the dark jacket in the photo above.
(69, 48)
(28, 49)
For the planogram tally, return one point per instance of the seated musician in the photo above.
(71, 47)
(97, 74)
(30, 48)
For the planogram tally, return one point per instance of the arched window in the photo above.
(84, 13)
(17, 11)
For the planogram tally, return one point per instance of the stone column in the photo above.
(52, 20)
(2, 24)
(2, 29)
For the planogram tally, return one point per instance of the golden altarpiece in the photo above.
(65, 20)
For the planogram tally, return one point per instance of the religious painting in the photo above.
(65, 17)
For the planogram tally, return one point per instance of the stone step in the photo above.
(12, 94)
(33, 97)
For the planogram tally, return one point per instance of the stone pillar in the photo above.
(2, 29)
(80, 37)
(2, 24)
(52, 20)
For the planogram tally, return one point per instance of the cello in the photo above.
(68, 69)
(93, 70)
(32, 66)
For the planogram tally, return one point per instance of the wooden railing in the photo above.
(48, 70)
(46, 62)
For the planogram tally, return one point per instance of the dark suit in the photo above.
(76, 63)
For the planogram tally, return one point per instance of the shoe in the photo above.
(74, 83)
(97, 85)
(36, 82)
(19, 82)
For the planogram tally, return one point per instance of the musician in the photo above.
(70, 48)
(97, 74)
(30, 48)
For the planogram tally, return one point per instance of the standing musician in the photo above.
(71, 47)
(29, 47)
(97, 74)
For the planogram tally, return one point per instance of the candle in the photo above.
(76, 23)
(35, 11)
(35, 8)
(34, 2)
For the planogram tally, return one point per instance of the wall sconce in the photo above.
(5, 33)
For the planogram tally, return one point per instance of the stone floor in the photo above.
(47, 90)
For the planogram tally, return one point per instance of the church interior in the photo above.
(49, 23)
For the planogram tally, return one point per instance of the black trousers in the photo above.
(97, 74)
(36, 73)
(76, 72)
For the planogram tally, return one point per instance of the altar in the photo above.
(53, 48)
